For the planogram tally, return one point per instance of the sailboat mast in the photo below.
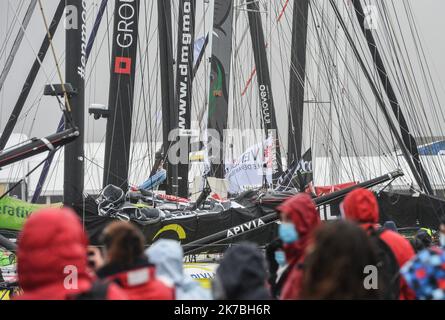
(32, 75)
(297, 80)
(17, 42)
(407, 138)
(400, 140)
(75, 62)
(61, 125)
(220, 75)
(183, 96)
(167, 82)
(265, 88)
(121, 93)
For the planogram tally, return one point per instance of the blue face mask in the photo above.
(280, 258)
(287, 232)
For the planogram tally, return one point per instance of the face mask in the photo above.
(442, 240)
(287, 232)
(280, 258)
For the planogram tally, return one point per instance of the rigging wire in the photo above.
(59, 72)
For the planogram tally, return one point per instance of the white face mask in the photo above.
(442, 240)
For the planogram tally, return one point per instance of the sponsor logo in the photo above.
(184, 62)
(244, 227)
(122, 65)
(172, 227)
(202, 275)
(264, 97)
(126, 13)
(83, 47)
(19, 212)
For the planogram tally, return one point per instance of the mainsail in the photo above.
(297, 80)
(121, 93)
(209, 220)
(220, 75)
(167, 83)
(269, 121)
(183, 99)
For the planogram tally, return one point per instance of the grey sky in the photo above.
(41, 113)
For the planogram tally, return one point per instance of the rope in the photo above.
(59, 72)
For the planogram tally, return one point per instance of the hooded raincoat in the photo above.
(167, 256)
(301, 210)
(52, 258)
(361, 206)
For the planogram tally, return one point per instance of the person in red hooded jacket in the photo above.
(126, 264)
(52, 259)
(361, 206)
(299, 219)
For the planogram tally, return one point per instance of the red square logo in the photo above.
(122, 65)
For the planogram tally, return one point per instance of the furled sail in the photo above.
(121, 93)
(269, 120)
(183, 98)
(220, 75)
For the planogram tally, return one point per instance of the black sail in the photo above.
(183, 96)
(76, 43)
(167, 82)
(220, 75)
(297, 80)
(264, 85)
(121, 93)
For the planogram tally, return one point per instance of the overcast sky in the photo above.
(41, 114)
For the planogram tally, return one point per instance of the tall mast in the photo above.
(220, 74)
(121, 93)
(183, 96)
(75, 62)
(61, 125)
(26, 89)
(407, 139)
(399, 138)
(297, 80)
(265, 88)
(167, 82)
(17, 42)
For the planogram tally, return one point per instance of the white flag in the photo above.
(249, 169)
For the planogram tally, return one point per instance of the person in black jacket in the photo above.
(241, 275)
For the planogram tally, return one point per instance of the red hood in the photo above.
(361, 206)
(302, 212)
(51, 241)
